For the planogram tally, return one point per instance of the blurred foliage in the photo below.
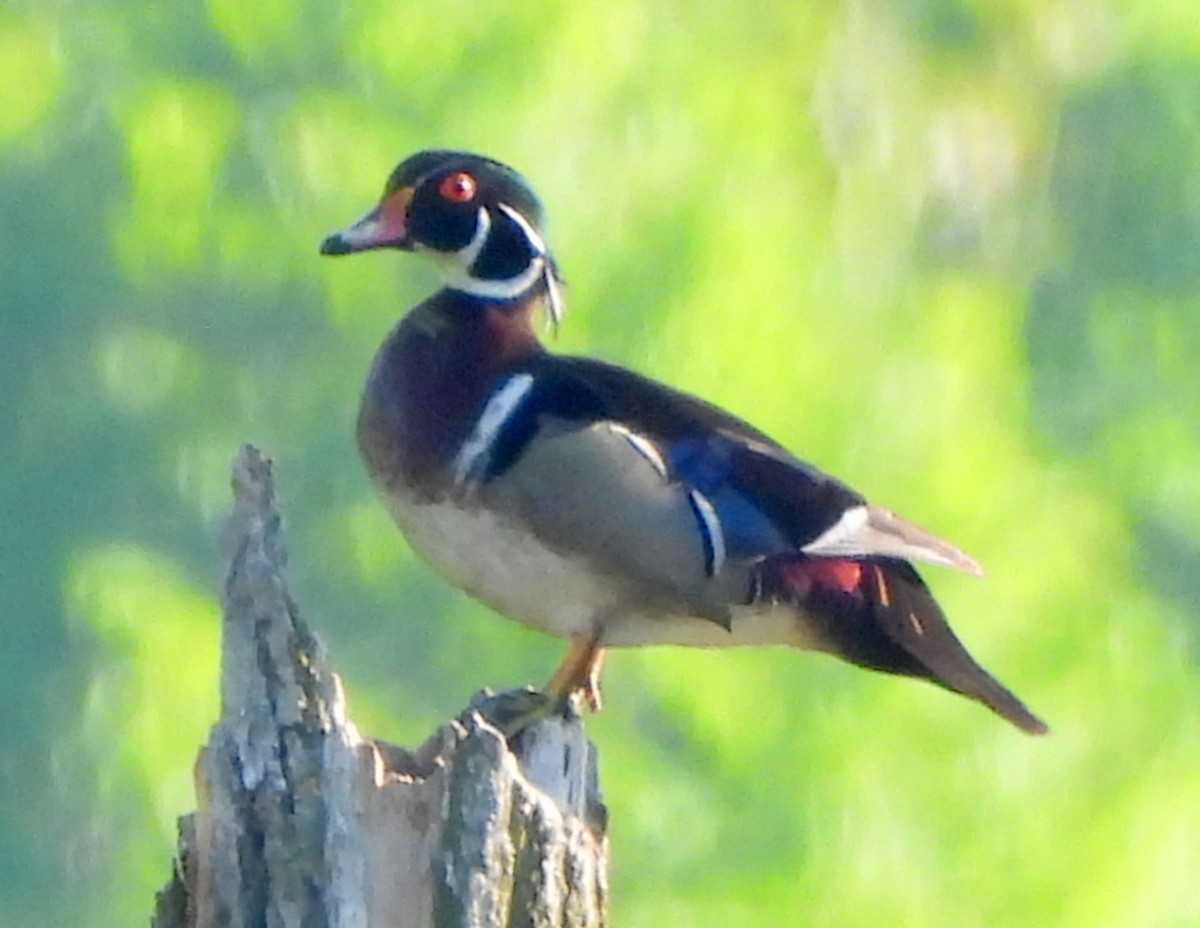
(948, 249)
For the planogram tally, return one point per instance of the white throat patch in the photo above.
(455, 267)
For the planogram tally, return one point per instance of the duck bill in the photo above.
(383, 227)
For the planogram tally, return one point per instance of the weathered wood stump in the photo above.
(301, 821)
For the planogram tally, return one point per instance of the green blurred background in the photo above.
(947, 249)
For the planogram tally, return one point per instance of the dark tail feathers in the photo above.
(879, 614)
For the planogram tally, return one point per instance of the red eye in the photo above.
(458, 187)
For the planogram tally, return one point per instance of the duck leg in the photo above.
(579, 673)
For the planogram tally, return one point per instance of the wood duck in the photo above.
(600, 506)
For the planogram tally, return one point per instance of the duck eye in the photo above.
(458, 187)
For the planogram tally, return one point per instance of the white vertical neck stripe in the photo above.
(473, 456)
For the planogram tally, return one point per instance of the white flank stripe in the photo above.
(496, 412)
(642, 447)
(712, 530)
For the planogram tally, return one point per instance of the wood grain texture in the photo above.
(301, 821)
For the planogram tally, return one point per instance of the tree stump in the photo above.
(303, 822)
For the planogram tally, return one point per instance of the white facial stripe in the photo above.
(710, 527)
(535, 240)
(496, 289)
(483, 224)
(456, 266)
(473, 456)
(553, 297)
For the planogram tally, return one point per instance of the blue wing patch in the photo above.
(704, 465)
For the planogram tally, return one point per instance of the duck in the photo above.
(597, 505)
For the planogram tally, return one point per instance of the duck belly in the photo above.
(478, 551)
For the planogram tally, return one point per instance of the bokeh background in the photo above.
(947, 249)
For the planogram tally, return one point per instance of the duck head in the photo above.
(477, 219)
